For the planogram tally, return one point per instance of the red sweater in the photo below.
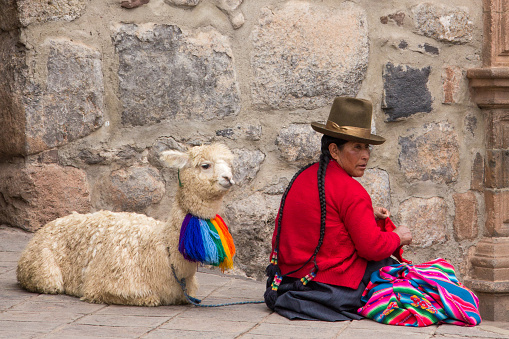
(352, 236)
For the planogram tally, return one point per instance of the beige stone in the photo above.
(465, 216)
(446, 24)
(131, 189)
(305, 53)
(426, 218)
(299, 143)
(33, 195)
(37, 11)
(432, 153)
(376, 183)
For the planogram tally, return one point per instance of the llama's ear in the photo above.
(174, 159)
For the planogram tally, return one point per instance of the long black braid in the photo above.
(273, 269)
(325, 158)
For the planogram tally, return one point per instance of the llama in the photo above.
(129, 258)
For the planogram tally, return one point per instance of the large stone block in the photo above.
(32, 195)
(451, 25)
(465, 216)
(67, 107)
(71, 104)
(246, 165)
(37, 11)
(497, 128)
(299, 143)
(131, 189)
(251, 222)
(432, 154)
(497, 212)
(165, 73)
(12, 76)
(426, 218)
(405, 91)
(305, 54)
(376, 183)
(497, 168)
(9, 18)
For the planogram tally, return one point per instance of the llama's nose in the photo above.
(229, 180)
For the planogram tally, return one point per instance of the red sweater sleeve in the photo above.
(370, 242)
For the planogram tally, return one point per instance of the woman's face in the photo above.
(353, 157)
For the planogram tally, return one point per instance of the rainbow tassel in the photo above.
(207, 241)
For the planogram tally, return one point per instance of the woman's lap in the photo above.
(319, 301)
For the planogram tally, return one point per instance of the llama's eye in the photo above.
(205, 166)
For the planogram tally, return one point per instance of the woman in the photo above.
(328, 227)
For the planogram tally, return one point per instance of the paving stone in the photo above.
(405, 91)
(468, 332)
(8, 334)
(30, 315)
(167, 73)
(306, 53)
(297, 330)
(52, 317)
(218, 325)
(9, 257)
(160, 311)
(183, 334)
(121, 320)
(400, 333)
(47, 306)
(369, 324)
(13, 240)
(247, 312)
(79, 330)
(28, 326)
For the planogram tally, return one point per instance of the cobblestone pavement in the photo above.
(30, 315)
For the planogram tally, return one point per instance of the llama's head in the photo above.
(205, 172)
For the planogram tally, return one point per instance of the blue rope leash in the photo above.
(197, 302)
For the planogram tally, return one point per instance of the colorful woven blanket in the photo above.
(419, 295)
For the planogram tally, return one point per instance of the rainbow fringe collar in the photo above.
(207, 241)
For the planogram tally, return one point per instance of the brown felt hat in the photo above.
(350, 119)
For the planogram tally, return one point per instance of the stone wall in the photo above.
(91, 92)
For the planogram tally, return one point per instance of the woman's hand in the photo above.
(405, 237)
(381, 212)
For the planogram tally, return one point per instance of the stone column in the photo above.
(490, 89)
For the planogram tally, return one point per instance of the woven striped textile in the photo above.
(419, 295)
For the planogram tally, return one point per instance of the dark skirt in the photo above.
(319, 301)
